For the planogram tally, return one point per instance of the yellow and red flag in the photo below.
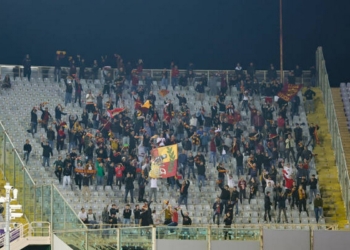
(114, 112)
(289, 91)
(164, 162)
(163, 92)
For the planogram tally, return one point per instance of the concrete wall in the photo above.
(182, 244)
(286, 239)
(231, 244)
(334, 240)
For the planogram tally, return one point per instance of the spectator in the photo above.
(309, 100)
(318, 207)
(91, 219)
(47, 151)
(6, 83)
(129, 187)
(267, 206)
(218, 208)
(183, 191)
(153, 189)
(126, 214)
(228, 221)
(137, 215)
(282, 207)
(27, 63)
(83, 216)
(313, 188)
(27, 148)
(302, 199)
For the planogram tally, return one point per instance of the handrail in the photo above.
(54, 186)
(343, 173)
(16, 151)
(212, 226)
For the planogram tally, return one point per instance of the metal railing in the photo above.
(146, 237)
(33, 229)
(39, 202)
(47, 72)
(333, 126)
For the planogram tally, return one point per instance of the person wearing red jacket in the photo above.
(258, 121)
(119, 169)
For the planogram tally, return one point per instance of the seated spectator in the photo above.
(83, 215)
(6, 83)
(91, 219)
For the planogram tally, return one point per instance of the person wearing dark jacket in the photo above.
(129, 187)
(126, 214)
(218, 208)
(183, 191)
(27, 148)
(200, 90)
(228, 221)
(47, 151)
(33, 122)
(182, 99)
(225, 195)
(282, 207)
(142, 184)
(78, 90)
(45, 116)
(186, 220)
(267, 207)
(59, 113)
(235, 198)
(27, 63)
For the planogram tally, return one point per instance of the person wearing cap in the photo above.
(318, 206)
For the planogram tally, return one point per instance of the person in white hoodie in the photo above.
(230, 182)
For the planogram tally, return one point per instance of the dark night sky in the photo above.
(212, 34)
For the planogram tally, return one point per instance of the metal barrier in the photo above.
(343, 173)
(146, 237)
(47, 72)
(37, 229)
(39, 202)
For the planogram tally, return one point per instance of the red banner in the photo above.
(114, 112)
(289, 91)
(164, 162)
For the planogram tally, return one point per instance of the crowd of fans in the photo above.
(110, 144)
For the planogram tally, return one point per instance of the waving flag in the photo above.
(164, 162)
(289, 91)
(163, 92)
(114, 112)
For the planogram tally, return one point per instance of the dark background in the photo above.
(211, 34)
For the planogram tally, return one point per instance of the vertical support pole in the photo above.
(281, 43)
(154, 238)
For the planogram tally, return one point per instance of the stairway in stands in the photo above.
(334, 210)
(342, 121)
(20, 220)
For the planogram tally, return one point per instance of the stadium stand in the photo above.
(24, 95)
